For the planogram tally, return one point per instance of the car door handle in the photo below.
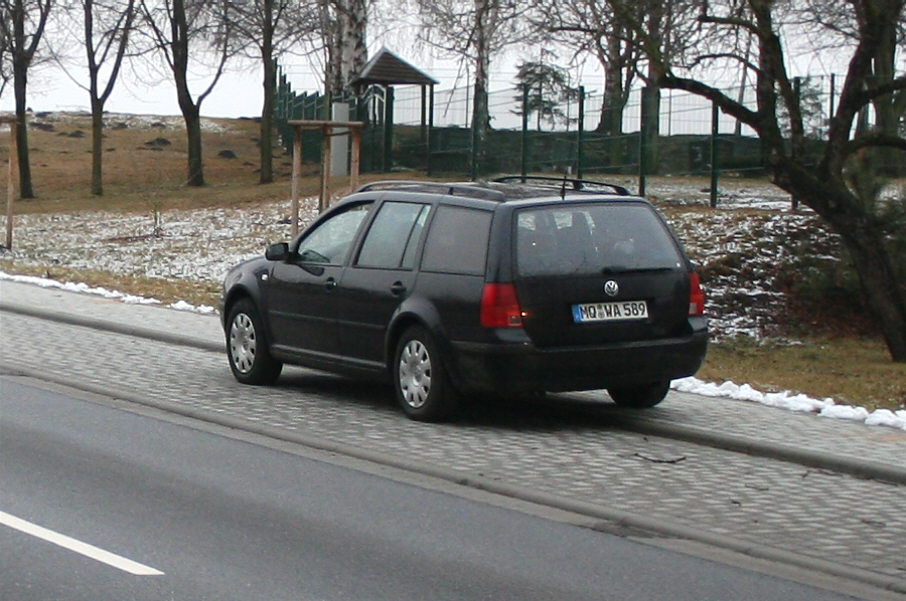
(330, 283)
(397, 288)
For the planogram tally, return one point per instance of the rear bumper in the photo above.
(521, 367)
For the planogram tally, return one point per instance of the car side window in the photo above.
(457, 241)
(330, 241)
(393, 236)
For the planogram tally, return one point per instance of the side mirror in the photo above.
(277, 252)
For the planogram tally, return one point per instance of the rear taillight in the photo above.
(500, 307)
(696, 296)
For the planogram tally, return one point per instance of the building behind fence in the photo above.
(694, 139)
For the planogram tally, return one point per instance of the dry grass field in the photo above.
(144, 171)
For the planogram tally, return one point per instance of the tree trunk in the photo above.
(353, 51)
(97, 137)
(887, 115)
(266, 149)
(20, 84)
(266, 136)
(880, 288)
(863, 237)
(195, 175)
(611, 123)
(480, 116)
(190, 110)
(653, 110)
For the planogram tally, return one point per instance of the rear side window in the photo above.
(393, 236)
(457, 241)
(589, 239)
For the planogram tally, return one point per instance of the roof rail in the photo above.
(469, 190)
(563, 182)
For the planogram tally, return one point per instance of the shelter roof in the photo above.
(386, 68)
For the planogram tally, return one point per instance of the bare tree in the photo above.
(106, 28)
(475, 30)
(271, 27)
(825, 187)
(24, 22)
(595, 28)
(191, 32)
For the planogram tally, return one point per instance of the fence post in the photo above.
(524, 149)
(714, 153)
(388, 129)
(430, 141)
(797, 90)
(580, 136)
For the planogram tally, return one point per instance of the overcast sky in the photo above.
(238, 93)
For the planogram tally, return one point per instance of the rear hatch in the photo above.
(599, 272)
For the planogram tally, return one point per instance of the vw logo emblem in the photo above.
(611, 288)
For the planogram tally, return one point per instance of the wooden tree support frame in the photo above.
(13, 173)
(328, 130)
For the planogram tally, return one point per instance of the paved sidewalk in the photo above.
(747, 420)
(149, 320)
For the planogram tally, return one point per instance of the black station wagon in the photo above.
(508, 287)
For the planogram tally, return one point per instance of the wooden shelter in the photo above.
(386, 69)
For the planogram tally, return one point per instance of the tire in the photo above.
(640, 397)
(250, 360)
(419, 378)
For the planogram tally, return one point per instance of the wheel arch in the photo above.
(417, 312)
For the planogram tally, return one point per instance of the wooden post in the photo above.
(355, 158)
(10, 184)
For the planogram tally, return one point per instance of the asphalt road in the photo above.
(204, 512)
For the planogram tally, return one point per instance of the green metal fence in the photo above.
(676, 133)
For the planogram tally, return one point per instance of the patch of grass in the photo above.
(851, 370)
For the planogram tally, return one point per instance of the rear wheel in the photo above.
(640, 397)
(422, 387)
(250, 360)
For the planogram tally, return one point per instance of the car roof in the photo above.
(505, 189)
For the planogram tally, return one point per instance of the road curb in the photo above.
(181, 339)
(522, 493)
(858, 468)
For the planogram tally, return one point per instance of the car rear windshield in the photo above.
(593, 239)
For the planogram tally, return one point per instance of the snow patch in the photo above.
(792, 402)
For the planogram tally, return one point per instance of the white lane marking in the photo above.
(111, 559)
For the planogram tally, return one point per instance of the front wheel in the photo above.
(421, 384)
(640, 397)
(247, 351)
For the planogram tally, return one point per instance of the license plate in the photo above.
(619, 311)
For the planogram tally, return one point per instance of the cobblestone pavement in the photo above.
(579, 455)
